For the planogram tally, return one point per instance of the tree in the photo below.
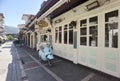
(10, 37)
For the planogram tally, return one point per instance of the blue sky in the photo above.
(14, 9)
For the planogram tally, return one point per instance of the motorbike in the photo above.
(46, 53)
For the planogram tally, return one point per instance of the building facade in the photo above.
(85, 32)
(2, 30)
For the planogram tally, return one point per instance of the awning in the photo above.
(42, 23)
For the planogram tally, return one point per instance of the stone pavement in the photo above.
(62, 69)
(34, 70)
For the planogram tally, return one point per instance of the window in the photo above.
(83, 32)
(93, 31)
(65, 34)
(111, 29)
(70, 34)
(58, 34)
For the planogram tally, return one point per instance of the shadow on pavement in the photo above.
(14, 72)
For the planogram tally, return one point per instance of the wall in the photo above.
(101, 58)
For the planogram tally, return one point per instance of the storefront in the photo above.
(93, 42)
(86, 34)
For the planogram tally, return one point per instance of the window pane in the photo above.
(111, 29)
(60, 37)
(56, 38)
(70, 36)
(83, 41)
(92, 41)
(93, 20)
(70, 27)
(65, 37)
(83, 31)
(56, 34)
(60, 28)
(111, 14)
(56, 29)
(83, 22)
(93, 31)
(65, 27)
(111, 36)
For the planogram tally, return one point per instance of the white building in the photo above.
(2, 30)
(85, 32)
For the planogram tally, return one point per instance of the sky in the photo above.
(14, 9)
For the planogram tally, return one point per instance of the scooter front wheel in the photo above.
(50, 62)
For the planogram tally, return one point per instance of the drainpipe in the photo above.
(58, 4)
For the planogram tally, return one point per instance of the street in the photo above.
(5, 60)
(9, 66)
(22, 64)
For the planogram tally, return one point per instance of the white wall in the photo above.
(101, 58)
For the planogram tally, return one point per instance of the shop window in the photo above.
(111, 29)
(93, 31)
(83, 32)
(56, 35)
(70, 34)
(60, 34)
(65, 34)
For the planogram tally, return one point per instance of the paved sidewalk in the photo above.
(62, 69)
(34, 70)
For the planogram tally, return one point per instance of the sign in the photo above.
(42, 23)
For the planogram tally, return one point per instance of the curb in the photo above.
(23, 74)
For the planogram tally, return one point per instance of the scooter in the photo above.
(46, 53)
